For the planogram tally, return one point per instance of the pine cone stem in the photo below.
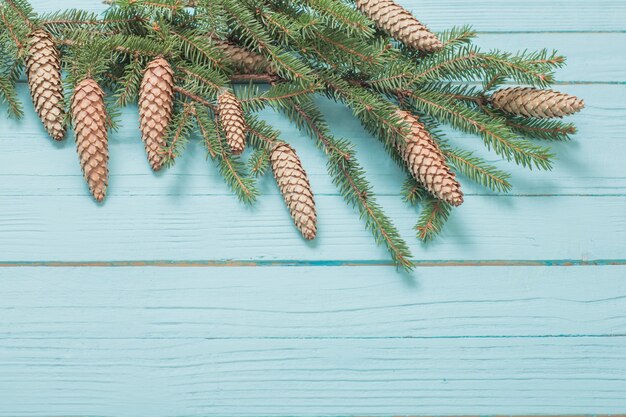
(156, 101)
(89, 115)
(295, 187)
(400, 23)
(232, 121)
(427, 163)
(533, 102)
(43, 69)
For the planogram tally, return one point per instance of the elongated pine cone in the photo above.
(247, 61)
(295, 188)
(89, 115)
(533, 102)
(400, 23)
(156, 101)
(43, 69)
(232, 121)
(427, 164)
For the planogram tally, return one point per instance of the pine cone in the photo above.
(400, 24)
(156, 101)
(533, 102)
(427, 164)
(295, 188)
(232, 121)
(43, 69)
(245, 60)
(89, 114)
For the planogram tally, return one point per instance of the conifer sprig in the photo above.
(300, 50)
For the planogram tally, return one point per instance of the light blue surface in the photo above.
(172, 299)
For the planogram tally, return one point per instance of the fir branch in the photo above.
(24, 12)
(339, 15)
(260, 134)
(259, 162)
(349, 177)
(434, 215)
(232, 169)
(130, 83)
(495, 134)
(179, 132)
(477, 169)
(256, 37)
(10, 98)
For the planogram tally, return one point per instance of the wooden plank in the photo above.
(484, 15)
(311, 302)
(520, 15)
(220, 228)
(311, 377)
(33, 165)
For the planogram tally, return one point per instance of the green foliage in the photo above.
(232, 169)
(434, 215)
(313, 47)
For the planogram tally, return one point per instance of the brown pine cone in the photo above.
(427, 164)
(400, 24)
(533, 102)
(245, 60)
(232, 121)
(43, 69)
(156, 101)
(295, 188)
(89, 115)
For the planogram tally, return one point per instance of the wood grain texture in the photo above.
(286, 377)
(311, 302)
(311, 341)
(220, 228)
(315, 336)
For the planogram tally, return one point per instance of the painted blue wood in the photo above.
(321, 302)
(323, 338)
(129, 228)
(311, 341)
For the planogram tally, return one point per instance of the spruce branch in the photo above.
(496, 135)
(434, 214)
(298, 49)
(231, 168)
(10, 98)
(349, 177)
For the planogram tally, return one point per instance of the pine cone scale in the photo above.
(245, 60)
(89, 115)
(232, 121)
(532, 102)
(43, 70)
(400, 24)
(427, 163)
(156, 102)
(294, 185)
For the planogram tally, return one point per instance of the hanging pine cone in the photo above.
(232, 121)
(89, 115)
(295, 188)
(43, 69)
(156, 101)
(400, 24)
(427, 164)
(245, 60)
(533, 102)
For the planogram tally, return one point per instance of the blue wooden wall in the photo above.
(172, 299)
